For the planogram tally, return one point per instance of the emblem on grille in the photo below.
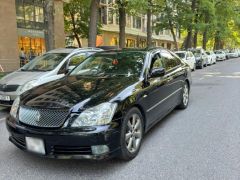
(38, 117)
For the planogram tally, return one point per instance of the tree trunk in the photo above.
(188, 43)
(204, 43)
(122, 23)
(75, 31)
(49, 24)
(149, 25)
(92, 36)
(173, 34)
(217, 41)
(195, 38)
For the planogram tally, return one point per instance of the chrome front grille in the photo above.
(47, 118)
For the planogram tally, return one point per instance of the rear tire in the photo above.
(184, 97)
(131, 134)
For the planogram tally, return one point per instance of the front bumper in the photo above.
(220, 58)
(199, 62)
(66, 144)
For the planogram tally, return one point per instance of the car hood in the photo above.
(20, 77)
(77, 92)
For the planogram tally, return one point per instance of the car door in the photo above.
(161, 92)
(175, 77)
(154, 91)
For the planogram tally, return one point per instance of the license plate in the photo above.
(4, 98)
(35, 145)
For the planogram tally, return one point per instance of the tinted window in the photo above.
(77, 59)
(112, 63)
(181, 55)
(156, 62)
(46, 62)
(170, 61)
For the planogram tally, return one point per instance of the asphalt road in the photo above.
(201, 142)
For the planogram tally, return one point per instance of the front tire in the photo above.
(131, 134)
(184, 97)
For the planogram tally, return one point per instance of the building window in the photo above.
(131, 43)
(142, 43)
(103, 14)
(110, 15)
(169, 45)
(128, 21)
(32, 46)
(137, 22)
(39, 14)
(30, 14)
(114, 41)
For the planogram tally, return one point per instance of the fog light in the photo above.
(100, 149)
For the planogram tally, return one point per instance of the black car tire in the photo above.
(201, 66)
(185, 94)
(125, 154)
(194, 68)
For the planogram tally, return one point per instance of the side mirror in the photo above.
(157, 72)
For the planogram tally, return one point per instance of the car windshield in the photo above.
(218, 52)
(181, 55)
(112, 63)
(46, 62)
(197, 53)
(208, 53)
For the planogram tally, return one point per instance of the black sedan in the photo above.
(103, 107)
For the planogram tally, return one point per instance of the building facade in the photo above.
(136, 30)
(24, 26)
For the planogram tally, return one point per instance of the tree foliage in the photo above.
(76, 18)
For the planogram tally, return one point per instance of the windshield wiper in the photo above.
(40, 70)
(23, 69)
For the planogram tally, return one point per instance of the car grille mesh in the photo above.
(46, 118)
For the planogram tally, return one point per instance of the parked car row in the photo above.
(199, 58)
(102, 108)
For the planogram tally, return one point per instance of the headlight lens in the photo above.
(95, 116)
(27, 86)
(15, 107)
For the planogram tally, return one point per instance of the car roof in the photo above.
(71, 50)
(181, 51)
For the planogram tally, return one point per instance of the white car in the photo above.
(188, 57)
(221, 55)
(233, 54)
(212, 58)
(50, 66)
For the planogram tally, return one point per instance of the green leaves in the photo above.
(76, 18)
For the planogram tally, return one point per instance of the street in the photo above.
(201, 142)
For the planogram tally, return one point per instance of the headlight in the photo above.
(27, 86)
(15, 107)
(95, 116)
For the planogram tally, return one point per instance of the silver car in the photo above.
(47, 67)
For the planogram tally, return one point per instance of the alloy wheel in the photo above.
(133, 135)
(185, 95)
